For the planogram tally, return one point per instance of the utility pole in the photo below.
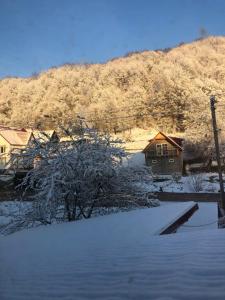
(221, 206)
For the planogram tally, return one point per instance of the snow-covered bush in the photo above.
(70, 179)
(176, 177)
(196, 182)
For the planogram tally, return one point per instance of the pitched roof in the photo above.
(21, 137)
(44, 135)
(16, 137)
(177, 142)
(3, 127)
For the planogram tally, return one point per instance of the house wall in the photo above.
(4, 158)
(165, 165)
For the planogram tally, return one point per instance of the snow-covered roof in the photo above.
(177, 142)
(16, 137)
(112, 257)
(4, 127)
(43, 135)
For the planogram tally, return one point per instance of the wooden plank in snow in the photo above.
(179, 220)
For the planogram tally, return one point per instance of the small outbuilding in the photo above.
(164, 154)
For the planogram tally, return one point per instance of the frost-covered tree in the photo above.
(71, 178)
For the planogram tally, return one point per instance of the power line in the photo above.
(145, 106)
(151, 114)
(110, 119)
(119, 110)
(201, 225)
(119, 117)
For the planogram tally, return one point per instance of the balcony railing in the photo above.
(166, 153)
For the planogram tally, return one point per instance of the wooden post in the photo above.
(221, 207)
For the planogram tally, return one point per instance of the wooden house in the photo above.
(164, 154)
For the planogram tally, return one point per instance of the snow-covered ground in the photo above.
(156, 223)
(112, 257)
(207, 213)
(199, 183)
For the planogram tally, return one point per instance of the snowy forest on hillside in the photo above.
(165, 90)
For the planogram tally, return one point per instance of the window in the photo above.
(2, 149)
(158, 150)
(161, 149)
(165, 149)
(171, 160)
(154, 161)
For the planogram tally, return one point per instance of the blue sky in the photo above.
(38, 34)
